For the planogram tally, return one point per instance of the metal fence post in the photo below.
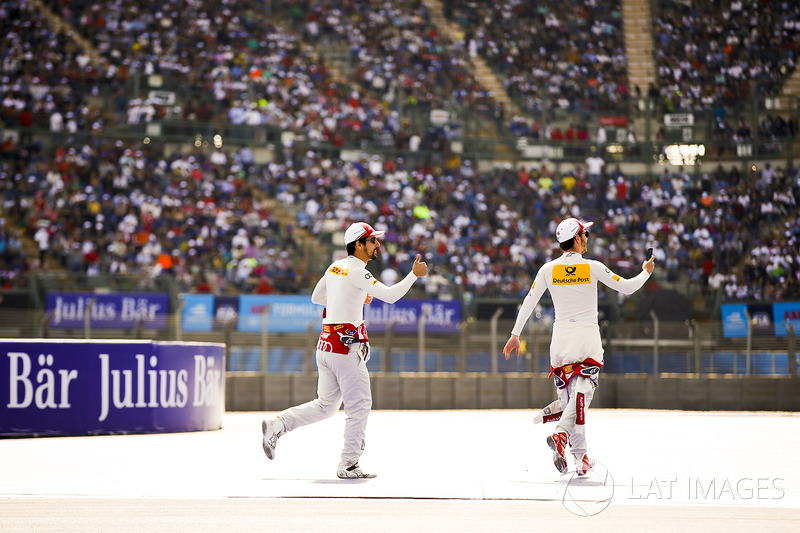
(264, 339)
(493, 336)
(749, 344)
(791, 348)
(386, 363)
(655, 342)
(308, 365)
(421, 340)
(605, 331)
(227, 336)
(46, 324)
(696, 347)
(462, 360)
(179, 319)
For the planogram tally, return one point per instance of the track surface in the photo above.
(437, 471)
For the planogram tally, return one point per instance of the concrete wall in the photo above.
(255, 392)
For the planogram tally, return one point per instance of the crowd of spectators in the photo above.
(710, 55)
(397, 52)
(234, 63)
(112, 208)
(44, 75)
(243, 67)
(551, 55)
(108, 208)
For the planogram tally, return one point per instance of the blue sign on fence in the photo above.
(286, 314)
(783, 312)
(765, 319)
(198, 312)
(69, 310)
(441, 316)
(294, 314)
(68, 387)
(734, 320)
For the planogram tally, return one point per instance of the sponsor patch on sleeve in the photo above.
(337, 271)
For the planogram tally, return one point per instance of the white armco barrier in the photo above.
(68, 387)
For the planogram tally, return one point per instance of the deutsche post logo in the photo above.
(571, 275)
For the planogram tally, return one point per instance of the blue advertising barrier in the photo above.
(786, 312)
(765, 319)
(293, 314)
(68, 310)
(442, 316)
(67, 387)
(286, 314)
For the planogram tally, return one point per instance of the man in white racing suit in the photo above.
(576, 350)
(343, 347)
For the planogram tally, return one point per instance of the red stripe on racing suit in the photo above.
(580, 409)
(588, 368)
(337, 338)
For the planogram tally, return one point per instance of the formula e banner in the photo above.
(765, 319)
(122, 310)
(786, 312)
(68, 387)
(284, 314)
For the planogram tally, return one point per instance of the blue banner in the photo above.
(226, 308)
(765, 319)
(286, 314)
(783, 312)
(734, 321)
(67, 387)
(198, 312)
(68, 310)
(442, 316)
(294, 314)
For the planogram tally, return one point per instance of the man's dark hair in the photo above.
(566, 245)
(351, 247)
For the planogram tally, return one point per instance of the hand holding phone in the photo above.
(649, 264)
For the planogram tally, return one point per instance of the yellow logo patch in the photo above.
(340, 271)
(571, 275)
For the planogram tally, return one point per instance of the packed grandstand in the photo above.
(228, 144)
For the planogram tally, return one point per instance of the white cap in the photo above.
(570, 227)
(360, 230)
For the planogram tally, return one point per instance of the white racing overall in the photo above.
(343, 377)
(572, 282)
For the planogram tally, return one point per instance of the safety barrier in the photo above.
(251, 391)
(84, 387)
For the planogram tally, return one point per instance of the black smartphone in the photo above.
(649, 254)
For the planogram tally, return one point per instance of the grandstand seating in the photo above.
(111, 204)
